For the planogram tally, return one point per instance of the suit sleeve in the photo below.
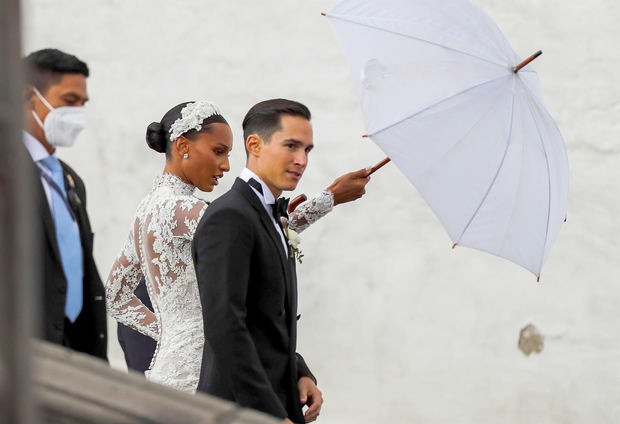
(222, 254)
(302, 368)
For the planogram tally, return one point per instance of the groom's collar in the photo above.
(266, 197)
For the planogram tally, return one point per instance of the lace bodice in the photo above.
(159, 248)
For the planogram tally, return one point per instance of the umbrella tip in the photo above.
(323, 14)
(454, 245)
(538, 279)
(365, 135)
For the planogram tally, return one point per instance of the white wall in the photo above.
(395, 324)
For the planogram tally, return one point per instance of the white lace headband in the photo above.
(192, 117)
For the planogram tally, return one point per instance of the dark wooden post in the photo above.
(16, 234)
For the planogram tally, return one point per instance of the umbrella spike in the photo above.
(364, 135)
(538, 279)
(454, 245)
(323, 14)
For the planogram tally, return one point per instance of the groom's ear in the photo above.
(254, 144)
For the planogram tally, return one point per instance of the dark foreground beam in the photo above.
(18, 259)
(70, 387)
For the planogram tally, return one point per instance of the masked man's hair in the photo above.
(44, 68)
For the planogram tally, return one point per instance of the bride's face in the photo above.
(208, 157)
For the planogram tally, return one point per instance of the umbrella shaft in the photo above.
(377, 166)
(526, 61)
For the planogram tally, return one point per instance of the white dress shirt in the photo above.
(267, 199)
(38, 152)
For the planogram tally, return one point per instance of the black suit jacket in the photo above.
(248, 291)
(88, 333)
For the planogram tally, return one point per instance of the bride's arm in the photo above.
(344, 189)
(121, 301)
(311, 211)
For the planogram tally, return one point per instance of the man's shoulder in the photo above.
(231, 201)
(229, 214)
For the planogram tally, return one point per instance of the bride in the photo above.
(196, 140)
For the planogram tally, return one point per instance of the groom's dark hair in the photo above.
(264, 118)
(44, 68)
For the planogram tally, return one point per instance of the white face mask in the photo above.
(62, 124)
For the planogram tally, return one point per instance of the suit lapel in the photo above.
(76, 204)
(293, 298)
(251, 197)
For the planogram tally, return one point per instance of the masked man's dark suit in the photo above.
(137, 347)
(88, 333)
(248, 291)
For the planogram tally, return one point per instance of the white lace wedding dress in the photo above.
(159, 247)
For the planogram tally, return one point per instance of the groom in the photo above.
(246, 273)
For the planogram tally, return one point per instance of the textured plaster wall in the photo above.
(396, 326)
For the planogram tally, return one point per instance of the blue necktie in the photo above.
(68, 238)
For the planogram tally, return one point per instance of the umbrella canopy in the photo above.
(441, 98)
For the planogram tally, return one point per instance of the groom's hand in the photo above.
(310, 395)
(350, 186)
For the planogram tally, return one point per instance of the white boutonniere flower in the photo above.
(293, 239)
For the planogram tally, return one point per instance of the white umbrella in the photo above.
(442, 97)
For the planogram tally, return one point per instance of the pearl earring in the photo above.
(186, 155)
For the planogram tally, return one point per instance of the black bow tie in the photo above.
(279, 208)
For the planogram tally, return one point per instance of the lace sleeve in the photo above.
(121, 301)
(311, 211)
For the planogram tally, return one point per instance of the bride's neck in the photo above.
(170, 168)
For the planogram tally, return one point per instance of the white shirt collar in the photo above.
(34, 147)
(267, 197)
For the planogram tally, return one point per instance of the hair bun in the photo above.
(156, 137)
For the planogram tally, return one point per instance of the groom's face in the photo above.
(285, 156)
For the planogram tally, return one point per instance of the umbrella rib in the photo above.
(438, 102)
(499, 168)
(542, 144)
(542, 107)
(418, 39)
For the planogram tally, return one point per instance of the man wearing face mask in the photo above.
(72, 309)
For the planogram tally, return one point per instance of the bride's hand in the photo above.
(350, 186)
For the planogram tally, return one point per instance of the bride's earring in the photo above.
(186, 156)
